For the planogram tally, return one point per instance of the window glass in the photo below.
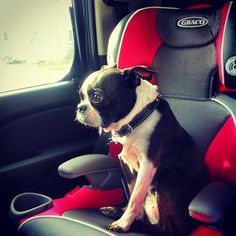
(36, 42)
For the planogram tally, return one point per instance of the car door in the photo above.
(38, 130)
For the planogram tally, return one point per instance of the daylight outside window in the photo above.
(36, 42)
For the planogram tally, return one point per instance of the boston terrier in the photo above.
(160, 160)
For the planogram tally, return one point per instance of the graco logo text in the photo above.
(192, 22)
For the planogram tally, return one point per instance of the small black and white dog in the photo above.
(160, 160)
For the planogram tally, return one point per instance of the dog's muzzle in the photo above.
(87, 115)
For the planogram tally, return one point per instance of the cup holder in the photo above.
(28, 204)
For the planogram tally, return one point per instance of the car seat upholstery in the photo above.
(193, 53)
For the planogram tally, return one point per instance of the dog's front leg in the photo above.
(144, 178)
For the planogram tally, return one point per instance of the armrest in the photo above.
(213, 202)
(87, 164)
(101, 170)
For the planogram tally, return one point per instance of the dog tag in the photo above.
(115, 148)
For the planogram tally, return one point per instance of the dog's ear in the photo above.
(134, 75)
(143, 72)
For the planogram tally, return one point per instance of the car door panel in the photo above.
(38, 132)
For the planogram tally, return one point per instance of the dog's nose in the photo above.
(82, 108)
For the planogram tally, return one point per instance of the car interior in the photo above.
(56, 173)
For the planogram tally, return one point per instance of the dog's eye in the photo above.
(96, 98)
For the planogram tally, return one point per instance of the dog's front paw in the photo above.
(112, 212)
(118, 226)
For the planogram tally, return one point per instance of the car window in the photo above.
(36, 42)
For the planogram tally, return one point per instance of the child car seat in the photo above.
(194, 54)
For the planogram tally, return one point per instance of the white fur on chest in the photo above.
(136, 144)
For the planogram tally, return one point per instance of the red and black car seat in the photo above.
(193, 51)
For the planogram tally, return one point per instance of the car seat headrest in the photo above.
(191, 49)
(190, 27)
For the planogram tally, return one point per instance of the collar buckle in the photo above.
(128, 128)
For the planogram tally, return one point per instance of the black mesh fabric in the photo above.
(185, 72)
(189, 27)
(201, 119)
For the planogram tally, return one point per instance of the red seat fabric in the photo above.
(220, 156)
